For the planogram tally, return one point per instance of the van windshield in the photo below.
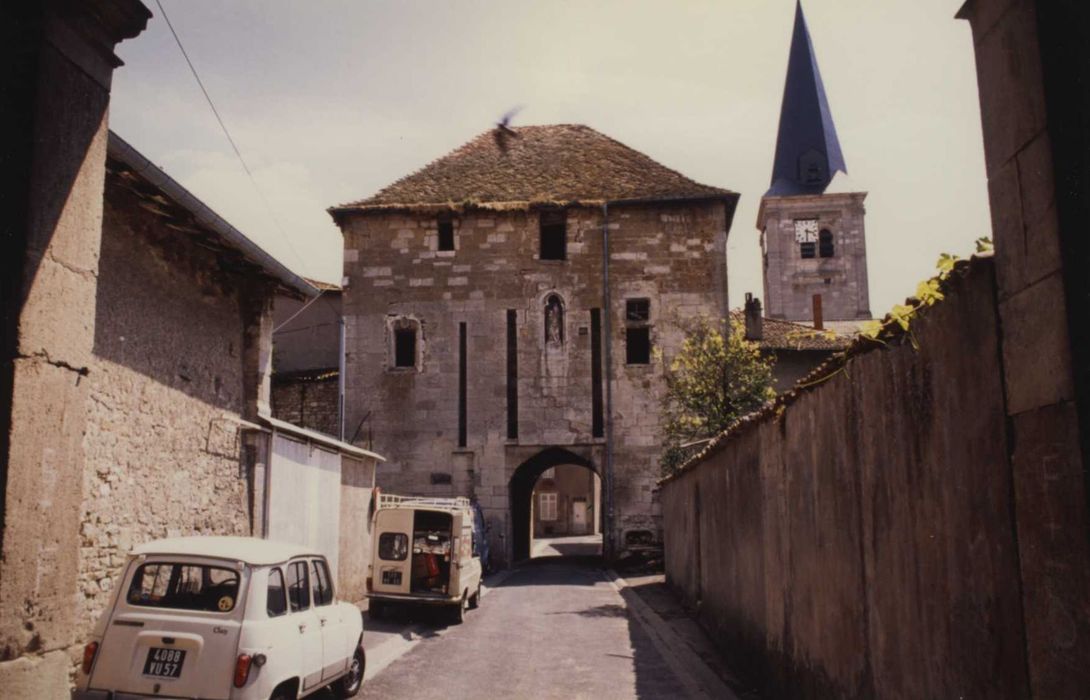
(184, 587)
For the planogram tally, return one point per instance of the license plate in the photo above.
(391, 578)
(164, 663)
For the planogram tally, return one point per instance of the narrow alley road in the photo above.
(556, 628)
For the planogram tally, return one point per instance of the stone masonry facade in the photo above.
(308, 399)
(791, 281)
(671, 254)
(163, 444)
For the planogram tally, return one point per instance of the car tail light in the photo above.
(89, 653)
(242, 670)
(370, 584)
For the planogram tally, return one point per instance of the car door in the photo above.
(334, 658)
(305, 619)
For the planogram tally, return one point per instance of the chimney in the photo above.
(818, 321)
(754, 323)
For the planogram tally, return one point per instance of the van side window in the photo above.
(393, 546)
(323, 589)
(298, 586)
(276, 601)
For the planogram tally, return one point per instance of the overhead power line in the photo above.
(223, 126)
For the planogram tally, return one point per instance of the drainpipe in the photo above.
(607, 312)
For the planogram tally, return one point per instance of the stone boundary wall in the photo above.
(857, 540)
(308, 400)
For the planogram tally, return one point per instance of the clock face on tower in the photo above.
(806, 230)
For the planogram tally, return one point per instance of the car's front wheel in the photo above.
(348, 685)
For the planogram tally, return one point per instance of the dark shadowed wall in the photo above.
(861, 543)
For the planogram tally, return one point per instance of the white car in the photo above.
(223, 617)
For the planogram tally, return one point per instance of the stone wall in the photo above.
(58, 62)
(163, 449)
(309, 400)
(1032, 71)
(672, 254)
(861, 542)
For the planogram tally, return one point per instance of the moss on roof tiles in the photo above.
(538, 165)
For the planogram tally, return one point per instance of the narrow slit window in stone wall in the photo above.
(637, 331)
(597, 424)
(825, 243)
(446, 234)
(512, 376)
(554, 235)
(462, 384)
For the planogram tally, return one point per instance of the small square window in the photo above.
(637, 310)
(807, 250)
(405, 347)
(554, 235)
(446, 235)
(637, 346)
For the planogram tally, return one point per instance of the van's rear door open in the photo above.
(392, 571)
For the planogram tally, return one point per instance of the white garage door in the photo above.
(304, 497)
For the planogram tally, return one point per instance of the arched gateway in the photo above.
(522, 488)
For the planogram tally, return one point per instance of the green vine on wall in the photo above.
(928, 293)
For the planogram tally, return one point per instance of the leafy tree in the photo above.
(713, 381)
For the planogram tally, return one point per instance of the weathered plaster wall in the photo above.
(59, 63)
(307, 338)
(861, 544)
(357, 489)
(166, 384)
(673, 255)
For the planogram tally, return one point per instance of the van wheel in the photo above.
(475, 599)
(376, 610)
(348, 685)
(458, 612)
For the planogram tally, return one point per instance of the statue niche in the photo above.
(554, 320)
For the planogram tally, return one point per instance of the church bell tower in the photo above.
(812, 236)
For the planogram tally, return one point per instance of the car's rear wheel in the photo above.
(348, 685)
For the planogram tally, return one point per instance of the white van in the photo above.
(425, 550)
(226, 618)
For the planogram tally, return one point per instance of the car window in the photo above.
(184, 587)
(276, 600)
(323, 589)
(298, 586)
(393, 546)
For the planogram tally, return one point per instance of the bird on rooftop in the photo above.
(503, 132)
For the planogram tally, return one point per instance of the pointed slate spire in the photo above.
(807, 150)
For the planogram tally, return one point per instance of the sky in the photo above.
(329, 102)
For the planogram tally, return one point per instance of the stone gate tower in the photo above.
(812, 235)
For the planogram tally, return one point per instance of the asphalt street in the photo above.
(554, 628)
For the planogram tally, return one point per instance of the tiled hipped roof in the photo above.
(786, 335)
(556, 164)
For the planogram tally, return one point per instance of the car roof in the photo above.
(250, 550)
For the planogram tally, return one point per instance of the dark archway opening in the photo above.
(522, 491)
